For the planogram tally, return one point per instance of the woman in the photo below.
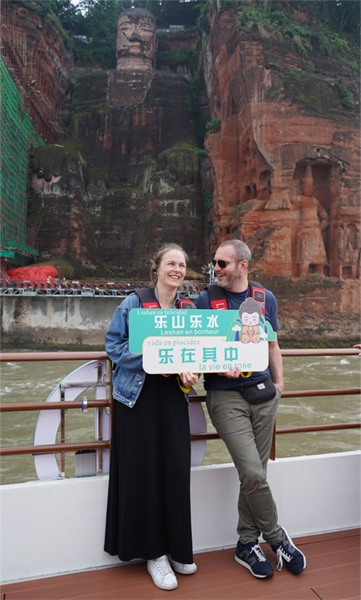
(148, 514)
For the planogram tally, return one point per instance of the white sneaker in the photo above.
(184, 568)
(161, 572)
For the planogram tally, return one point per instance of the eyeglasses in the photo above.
(223, 263)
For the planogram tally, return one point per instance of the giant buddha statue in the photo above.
(127, 176)
(136, 39)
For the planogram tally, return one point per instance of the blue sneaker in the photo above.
(251, 556)
(295, 560)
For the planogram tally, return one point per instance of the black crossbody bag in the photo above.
(256, 393)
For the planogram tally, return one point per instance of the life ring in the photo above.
(77, 382)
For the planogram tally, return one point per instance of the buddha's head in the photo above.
(136, 39)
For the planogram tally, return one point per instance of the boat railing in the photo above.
(100, 444)
(81, 289)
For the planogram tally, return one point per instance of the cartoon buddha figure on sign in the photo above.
(249, 325)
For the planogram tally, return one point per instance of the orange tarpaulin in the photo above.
(32, 273)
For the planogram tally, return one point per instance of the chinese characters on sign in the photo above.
(202, 354)
(172, 341)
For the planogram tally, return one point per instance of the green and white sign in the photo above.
(173, 341)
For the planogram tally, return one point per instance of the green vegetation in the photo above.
(207, 200)
(202, 20)
(96, 51)
(213, 125)
(201, 152)
(347, 97)
(316, 92)
(331, 26)
(187, 56)
(327, 28)
(95, 18)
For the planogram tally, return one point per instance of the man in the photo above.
(246, 427)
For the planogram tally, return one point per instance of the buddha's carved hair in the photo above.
(137, 12)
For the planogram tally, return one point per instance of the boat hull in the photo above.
(59, 525)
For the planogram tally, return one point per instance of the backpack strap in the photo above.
(258, 292)
(148, 299)
(218, 298)
(182, 302)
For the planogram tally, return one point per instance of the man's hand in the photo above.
(232, 373)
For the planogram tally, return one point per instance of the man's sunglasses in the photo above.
(223, 263)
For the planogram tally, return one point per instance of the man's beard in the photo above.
(229, 281)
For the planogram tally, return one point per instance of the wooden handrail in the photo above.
(302, 393)
(33, 356)
(63, 405)
(53, 448)
(319, 351)
(310, 428)
(101, 355)
(301, 429)
(307, 393)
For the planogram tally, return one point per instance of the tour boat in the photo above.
(52, 529)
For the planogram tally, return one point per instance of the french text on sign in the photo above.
(202, 354)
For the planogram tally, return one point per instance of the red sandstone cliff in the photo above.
(285, 167)
(286, 173)
(39, 59)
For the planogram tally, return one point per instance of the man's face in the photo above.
(229, 276)
(136, 37)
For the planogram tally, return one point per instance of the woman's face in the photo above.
(172, 269)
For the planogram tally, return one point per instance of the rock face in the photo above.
(127, 179)
(285, 172)
(282, 166)
(39, 60)
(141, 186)
(285, 178)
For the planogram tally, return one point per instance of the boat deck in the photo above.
(332, 573)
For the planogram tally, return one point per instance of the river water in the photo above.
(33, 381)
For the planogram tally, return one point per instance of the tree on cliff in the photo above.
(342, 16)
(85, 17)
(96, 20)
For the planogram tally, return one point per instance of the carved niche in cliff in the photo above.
(295, 202)
(307, 230)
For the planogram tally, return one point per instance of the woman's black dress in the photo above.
(148, 512)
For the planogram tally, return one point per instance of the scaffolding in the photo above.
(32, 114)
(17, 137)
(41, 97)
